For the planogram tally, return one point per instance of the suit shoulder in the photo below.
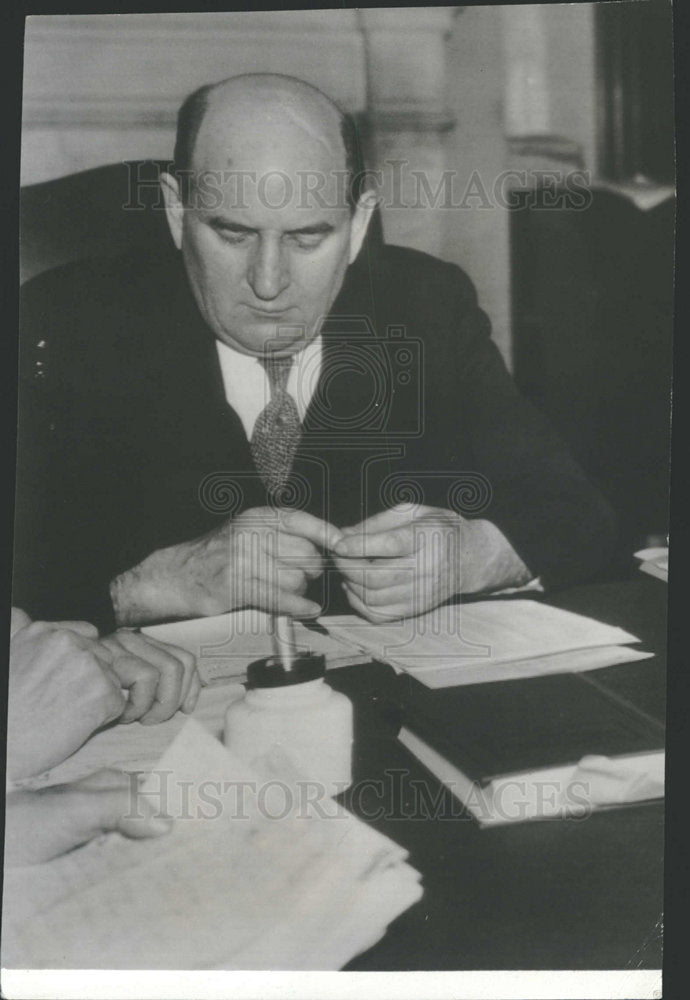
(421, 273)
(88, 314)
(100, 280)
(436, 301)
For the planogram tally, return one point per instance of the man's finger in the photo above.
(18, 620)
(97, 781)
(161, 655)
(387, 544)
(141, 681)
(382, 598)
(299, 522)
(289, 579)
(313, 568)
(294, 553)
(377, 574)
(46, 823)
(353, 529)
(171, 675)
(189, 703)
(383, 614)
(86, 629)
(291, 550)
(108, 800)
(283, 602)
(385, 520)
(113, 700)
(167, 699)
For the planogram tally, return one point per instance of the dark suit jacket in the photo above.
(126, 442)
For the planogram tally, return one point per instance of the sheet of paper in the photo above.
(135, 747)
(244, 883)
(453, 674)
(654, 561)
(593, 783)
(473, 642)
(225, 645)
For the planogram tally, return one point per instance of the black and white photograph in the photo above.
(337, 659)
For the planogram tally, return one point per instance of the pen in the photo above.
(284, 640)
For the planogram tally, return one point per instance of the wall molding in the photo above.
(105, 87)
(115, 71)
(412, 120)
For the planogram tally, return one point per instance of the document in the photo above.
(654, 561)
(250, 877)
(473, 643)
(491, 640)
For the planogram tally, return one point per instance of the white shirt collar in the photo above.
(247, 389)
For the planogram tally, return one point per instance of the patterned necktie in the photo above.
(277, 430)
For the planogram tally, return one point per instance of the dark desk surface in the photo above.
(567, 894)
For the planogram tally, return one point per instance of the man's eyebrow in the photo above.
(218, 222)
(318, 227)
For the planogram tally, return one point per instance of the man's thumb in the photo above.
(115, 804)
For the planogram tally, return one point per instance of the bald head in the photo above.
(277, 122)
(266, 258)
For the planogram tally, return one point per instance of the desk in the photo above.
(570, 894)
(565, 894)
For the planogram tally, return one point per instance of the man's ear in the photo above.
(361, 217)
(174, 209)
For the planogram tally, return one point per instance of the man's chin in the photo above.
(265, 338)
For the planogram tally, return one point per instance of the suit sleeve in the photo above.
(63, 555)
(556, 519)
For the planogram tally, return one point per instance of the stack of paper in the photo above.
(655, 562)
(225, 645)
(489, 641)
(470, 643)
(250, 877)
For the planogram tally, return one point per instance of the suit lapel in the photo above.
(349, 378)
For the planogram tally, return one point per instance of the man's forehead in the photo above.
(270, 173)
(276, 201)
(260, 125)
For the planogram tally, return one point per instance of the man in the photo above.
(185, 402)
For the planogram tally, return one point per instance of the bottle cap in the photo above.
(270, 673)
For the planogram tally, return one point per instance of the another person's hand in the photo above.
(159, 678)
(409, 559)
(42, 824)
(262, 558)
(60, 690)
(65, 683)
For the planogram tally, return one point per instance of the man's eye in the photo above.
(307, 241)
(233, 235)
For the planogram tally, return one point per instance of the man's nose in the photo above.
(268, 272)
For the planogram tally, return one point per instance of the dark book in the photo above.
(508, 740)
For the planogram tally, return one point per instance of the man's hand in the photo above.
(408, 560)
(261, 558)
(40, 825)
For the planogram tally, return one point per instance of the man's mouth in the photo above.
(270, 313)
